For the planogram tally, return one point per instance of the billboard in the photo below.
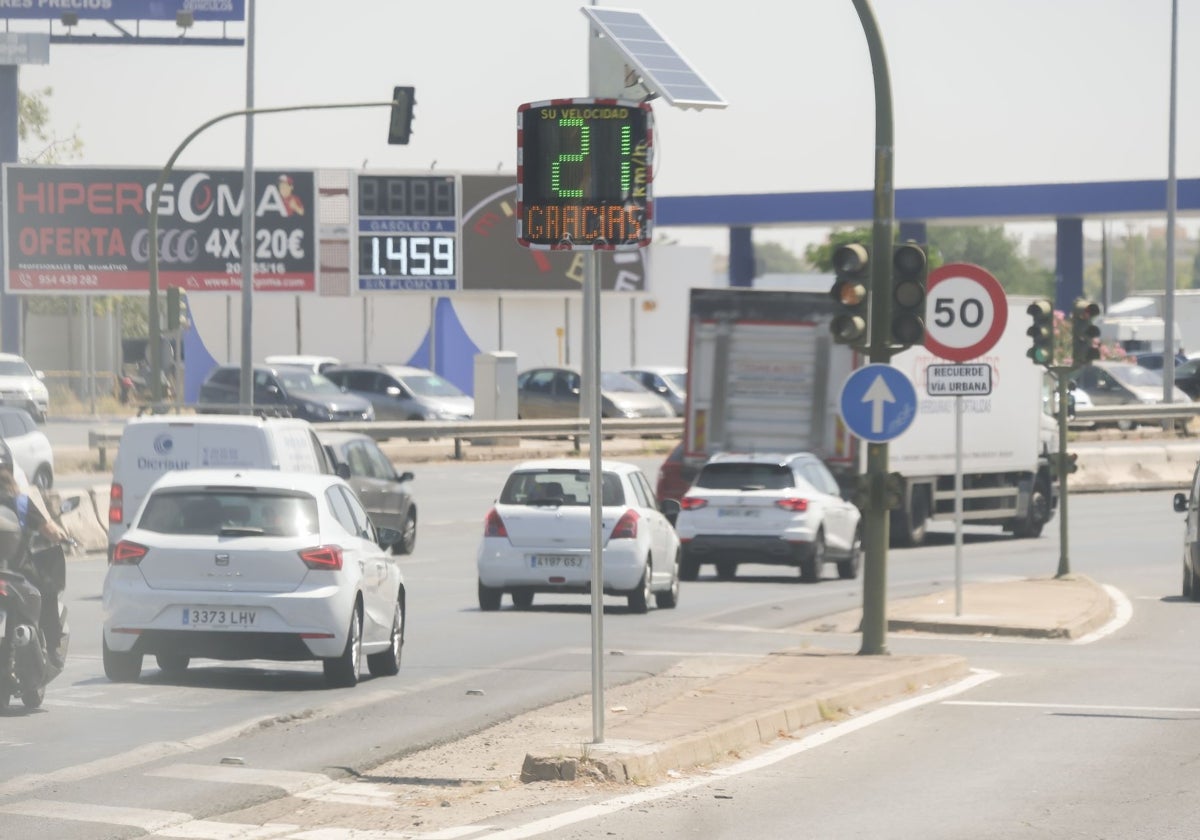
(492, 260)
(201, 10)
(77, 229)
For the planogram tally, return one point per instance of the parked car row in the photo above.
(1117, 383)
(321, 389)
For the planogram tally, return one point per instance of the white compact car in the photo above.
(30, 447)
(22, 386)
(253, 564)
(781, 509)
(537, 537)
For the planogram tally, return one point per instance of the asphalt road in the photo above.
(97, 745)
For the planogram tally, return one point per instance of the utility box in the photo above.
(496, 386)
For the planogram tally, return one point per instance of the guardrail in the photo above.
(1137, 413)
(478, 431)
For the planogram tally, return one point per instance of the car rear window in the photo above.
(734, 476)
(229, 513)
(559, 487)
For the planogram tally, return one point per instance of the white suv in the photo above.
(22, 386)
(781, 509)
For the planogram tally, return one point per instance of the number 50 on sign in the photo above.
(966, 312)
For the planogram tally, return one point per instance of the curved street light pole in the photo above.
(247, 205)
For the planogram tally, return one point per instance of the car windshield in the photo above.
(308, 382)
(613, 381)
(15, 367)
(229, 513)
(559, 488)
(742, 476)
(678, 381)
(431, 385)
(1136, 376)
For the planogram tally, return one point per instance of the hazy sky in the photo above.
(985, 91)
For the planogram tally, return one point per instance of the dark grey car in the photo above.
(399, 392)
(384, 492)
(296, 390)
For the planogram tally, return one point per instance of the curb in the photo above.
(634, 759)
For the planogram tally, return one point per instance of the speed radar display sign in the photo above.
(966, 313)
(583, 174)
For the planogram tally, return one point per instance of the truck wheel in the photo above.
(1195, 596)
(1187, 580)
(1037, 515)
(908, 526)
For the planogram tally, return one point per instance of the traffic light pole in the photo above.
(1064, 563)
(874, 620)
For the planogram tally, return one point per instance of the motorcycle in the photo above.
(32, 580)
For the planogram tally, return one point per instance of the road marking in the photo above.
(1122, 613)
(792, 748)
(144, 818)
(211, 830)
(1086, 707)
(316, 787)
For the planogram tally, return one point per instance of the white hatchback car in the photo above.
(22, 386)
(781, 509)
(253, 564)
(537, 537)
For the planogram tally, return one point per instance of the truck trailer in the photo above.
(764, 375)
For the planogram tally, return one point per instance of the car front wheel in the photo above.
(408, 535)
(639, 599)
(669, 597)
(386, 663)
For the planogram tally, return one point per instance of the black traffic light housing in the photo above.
(910, 270)
(1042, 333)
(850, 265)
(1084, 332)
(400, 126)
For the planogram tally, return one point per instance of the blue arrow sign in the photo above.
(878, 403)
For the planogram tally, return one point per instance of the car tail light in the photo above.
(493, 525)
(3, 588)
(116, 504)
(327, 557)
(127, 553)
(626, 527)
(692, 502)
(793, 504)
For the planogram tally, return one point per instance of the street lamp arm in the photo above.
(155, 330)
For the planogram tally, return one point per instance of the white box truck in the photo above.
(765, 376)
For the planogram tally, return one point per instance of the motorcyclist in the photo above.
(34, 521)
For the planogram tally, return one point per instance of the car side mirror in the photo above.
(392, 391)
(1181, 502)
(342, 470)
(575, 392)
(40, 374)
(670, 508)
(405, 476)
(387, 537)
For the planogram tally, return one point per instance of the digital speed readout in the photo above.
(584, 174)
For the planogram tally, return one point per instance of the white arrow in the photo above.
(878, 394)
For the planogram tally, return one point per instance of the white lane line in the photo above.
(351, 834)
(1080, 706)
(290, 781)
(146, 819)
(1122, 613)
(210, 830)
(817, 739)
(454, 833)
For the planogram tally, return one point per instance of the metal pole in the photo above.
(591, 380)
(958, 504)
(1169, 295)
(249, 194)
(1064, 563)
(874, 622)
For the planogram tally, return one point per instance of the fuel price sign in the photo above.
(407, 232)
(584, 174)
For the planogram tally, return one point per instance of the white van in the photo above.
(151, 446)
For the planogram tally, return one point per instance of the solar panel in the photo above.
(663, 70)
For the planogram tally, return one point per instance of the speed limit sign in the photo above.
(965, 313)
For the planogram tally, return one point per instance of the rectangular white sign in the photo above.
(959, 380)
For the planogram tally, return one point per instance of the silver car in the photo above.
(399, 392)
(553, 392)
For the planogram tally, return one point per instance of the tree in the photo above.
(775, 258)
(33, 123)
(991, 248)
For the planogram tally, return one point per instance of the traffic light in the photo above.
(1042, 333)
(849, 325)
(1084, 333)
(909, 269)
(400, 127)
